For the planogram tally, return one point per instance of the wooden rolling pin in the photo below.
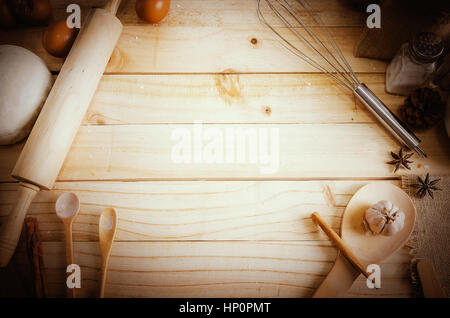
(56, 127)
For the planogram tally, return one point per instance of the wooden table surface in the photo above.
(207, 230)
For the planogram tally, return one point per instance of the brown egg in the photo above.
(58, 38)
(152, 11)
(32, 12)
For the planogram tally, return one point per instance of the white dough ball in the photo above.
(25, 82)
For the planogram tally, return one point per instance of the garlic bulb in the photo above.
(384, 218)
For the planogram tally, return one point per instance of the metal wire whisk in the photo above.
(304, 34)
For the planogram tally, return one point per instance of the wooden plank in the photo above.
(197, 28)
(150, 99)
(217, 12)
(238, 98)
(305, 151)
(144, 152)
(195, 210)
(214, 269)
(207, 49)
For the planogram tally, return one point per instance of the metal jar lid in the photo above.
(426, 47)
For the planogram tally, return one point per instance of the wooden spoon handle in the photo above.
(69, 253)
(340, 244)
(105, 259)
(69, 243)
(339, 280)
(11, 229)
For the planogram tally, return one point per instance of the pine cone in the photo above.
(423, 109)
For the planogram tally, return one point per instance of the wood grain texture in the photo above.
(226, 13)
(156, 49)
(143, 152)
(195, 210)
(193, 14)
(126, 99)
(206, 48)
(216, 238)
(231, 98)
(150, 99)
(215, 269)
(317, 151)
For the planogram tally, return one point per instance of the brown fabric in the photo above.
(431, 237)
(400, 21)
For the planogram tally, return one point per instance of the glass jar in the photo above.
(414, 63)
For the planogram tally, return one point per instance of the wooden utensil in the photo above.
(428, 278)
(371, 249)
(52, 135)
(107, 230)
(35, 256)
(67, 207)
(340, 244)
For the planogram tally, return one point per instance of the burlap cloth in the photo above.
(431, 236)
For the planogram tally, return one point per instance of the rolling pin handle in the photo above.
(11, 229)
(112, 6)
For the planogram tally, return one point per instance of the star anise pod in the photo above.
(426, 186)
(401, 160)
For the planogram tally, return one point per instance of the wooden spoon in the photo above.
(340, 244)
(370, 249)
(107, 231)
(67, 207)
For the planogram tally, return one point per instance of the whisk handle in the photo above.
(388, 119)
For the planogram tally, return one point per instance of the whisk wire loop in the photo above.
(313, 43)
(336, 67)
(319, 21)
(288, 44)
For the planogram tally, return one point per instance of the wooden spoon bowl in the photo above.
(67, 206)
(370, 249)
(107, 230)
